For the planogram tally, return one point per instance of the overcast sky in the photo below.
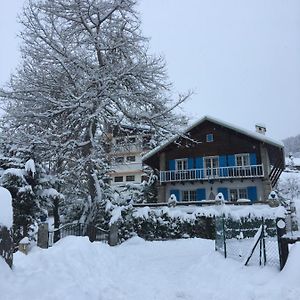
(240, 57)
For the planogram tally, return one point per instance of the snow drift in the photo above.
(181, 269)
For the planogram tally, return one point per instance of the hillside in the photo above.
(181, 269)
(292, 145)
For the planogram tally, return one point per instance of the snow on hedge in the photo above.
(230, 211)
(6, 211)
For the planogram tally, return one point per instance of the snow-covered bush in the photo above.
(151, 224)
(173, 223)
(6, 222)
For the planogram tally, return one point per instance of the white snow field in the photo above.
(74, 268)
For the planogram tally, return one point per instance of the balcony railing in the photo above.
(136, 147)
(212, 173)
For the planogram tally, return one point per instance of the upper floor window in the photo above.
(130, 158)
(119, 179)
(131, 140)
(119, 141)
(119, 160)
(242, 159)
(209, 137)
(130, 178)
(181, 164)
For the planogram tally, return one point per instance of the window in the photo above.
(130, 178)
(131, 140)
(130, 158)
(189, 195)
(242, 159)
(119, 159)
(209, 137)
(181, 164)
(236, 194)
(119, 141)
(119, 179)
(211, 165)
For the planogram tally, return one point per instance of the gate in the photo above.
(78, 229)
(251, 241)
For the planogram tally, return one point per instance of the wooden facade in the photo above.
(212, 138)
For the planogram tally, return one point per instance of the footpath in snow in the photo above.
(190, 269)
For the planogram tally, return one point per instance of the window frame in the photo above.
(118, 181)
(238, 192)
(209, 137)
(211, 170)
(244, 157)
(131, 176)
(191, 195)
(184, 162)
(121, 159)
(131, 140)
(119, 141)
(132, 156)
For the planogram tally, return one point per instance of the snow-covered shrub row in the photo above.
(173, 223)
(162, 224)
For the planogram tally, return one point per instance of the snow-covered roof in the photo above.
(252, 134)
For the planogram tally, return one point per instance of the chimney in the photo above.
(261, 128)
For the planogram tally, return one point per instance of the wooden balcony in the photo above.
(253, 171)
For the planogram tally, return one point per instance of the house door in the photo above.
(211, 165)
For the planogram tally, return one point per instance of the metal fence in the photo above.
(79, 229)
(251, 241)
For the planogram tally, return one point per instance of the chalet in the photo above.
(127, 145)
(213, 156)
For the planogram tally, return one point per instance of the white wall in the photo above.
(217, 184)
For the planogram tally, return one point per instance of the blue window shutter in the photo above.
(253, 160)
(172, 165)
(224, 191)
(252, 193)
(199, 165)
(199, 162)
(176, 193)
(200, 194)
(190, 163)
(223, 163)
(231, 160)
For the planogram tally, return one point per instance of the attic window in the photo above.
(209, 137)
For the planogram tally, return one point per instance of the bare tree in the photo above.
(85, 67)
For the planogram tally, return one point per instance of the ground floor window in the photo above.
(236, 194)
(189, 195)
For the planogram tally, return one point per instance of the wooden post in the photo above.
(283, 247)
(43, 236)
(6, 245)
(113, 238)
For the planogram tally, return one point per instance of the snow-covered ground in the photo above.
(137, 270)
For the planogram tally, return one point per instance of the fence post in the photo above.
(224, 235)
(113, 236)
(283, 248)
(43, 236)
